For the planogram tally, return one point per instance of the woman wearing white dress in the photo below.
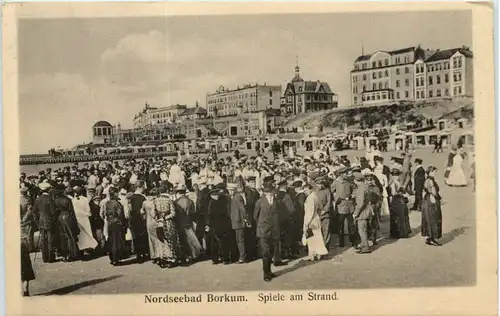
(312, 237)
(455, 175)
(82, 211)
(382, 178)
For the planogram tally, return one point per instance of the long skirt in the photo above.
(68, 246)
(399, 221)
(27, 273)
(193, 246)
(116, 242)
(85, 238)
(315, 244)
(169, 238)
(432, 219)
(155, 245)
(456, 177)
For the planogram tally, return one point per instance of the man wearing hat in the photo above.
(218, 226)
(251, 197)
(239, 218)
(363, 212)
(286, 211)
(418, 184)
(268, 228)
(343, 191)
(45, 213)
(324, 203)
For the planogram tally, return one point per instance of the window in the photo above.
(364, 66)
(355, 100)
(407, 94)
(397, 71)
(309, 97)
(446, 65)
(374, 87)
(407, 70)
(430, 93)
(397, 83)
(364, 88)
(300, 89)
(438, 93)
(354, 79)
(378, 96)
(380, 74)
(384, 95)
(446, 78)
(430, 80)
(380, 85)
(363, 98)
(380, 63)
(438, 79)
(459, 89)
(457, 77)
(418, 94)
(386, 85)
(300, 98)
(356, 67)
(374, 64)
(422, 81)
(387, 73)
(364, 76)
(374, 75)
(407, 82)
(368, 98)
(446, 92)
(386, 62)
(397, 95)
(271, 93)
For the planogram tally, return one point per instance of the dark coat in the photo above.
(252, 197)
(45, 212)
(419, 179)
(267, 219)
(27, 219)
(217, 218)
(239, 215)
(285, 206)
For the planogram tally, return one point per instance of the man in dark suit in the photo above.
(251, 196)
(286, 209)
(45, 213)
(218, 225)
(418, 184)
(268, 227)
(239, 218)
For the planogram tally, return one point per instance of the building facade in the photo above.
(252, 98)
(102, 133)
(158, 115)
(403, 75)
(307, 96)
(194, 113)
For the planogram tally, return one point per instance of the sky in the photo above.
(74, 72)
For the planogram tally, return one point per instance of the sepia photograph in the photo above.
(201, 156)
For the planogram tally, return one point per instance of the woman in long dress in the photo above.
(455, 175)
(312, 237)
(117, 226)
(68, 226)
(167, 232)
(432, 218)
(27, 273)
(384, 183)
(82, 211)
(400, 221)
(155, 246)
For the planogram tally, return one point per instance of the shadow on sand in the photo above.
(452, 234)
(71, 288)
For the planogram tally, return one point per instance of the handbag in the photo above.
(128, 235)
(309, 233)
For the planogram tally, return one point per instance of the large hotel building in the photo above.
(250, 98)
(411, 74)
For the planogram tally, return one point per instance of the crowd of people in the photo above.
(231, 210)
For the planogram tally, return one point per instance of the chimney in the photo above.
(197, 104)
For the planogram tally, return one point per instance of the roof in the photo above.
(447, 53)
(394, 52)
(310, 87)
(102, 124)
(194, 110)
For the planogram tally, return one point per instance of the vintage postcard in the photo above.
(249, 158)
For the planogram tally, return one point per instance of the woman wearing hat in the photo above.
(82, 211)
(455, 175)
(69, 229)
(432, 218)
(152, 227)
(167, 232)
(312, 235)
(117, 226)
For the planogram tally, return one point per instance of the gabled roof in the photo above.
(447, 53)
(394, 52)
(194, 110)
